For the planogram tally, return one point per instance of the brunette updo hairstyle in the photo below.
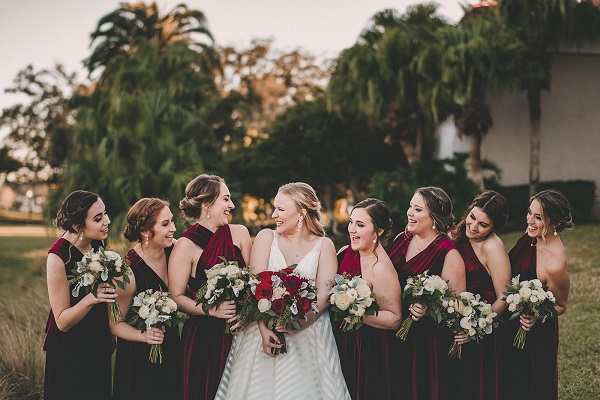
(440, 207)
(73, 210)
(380, 215)
(305, 198)
(203, 189)
(555, 208)
(493, 204)
(141, 217)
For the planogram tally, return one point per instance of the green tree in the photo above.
(471, 59)
(117, 33)
(38, 129)
(379, 77)
(542, 25)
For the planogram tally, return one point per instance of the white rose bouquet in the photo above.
(528, 298)
(351, 297)
(225, 281)
(426, 290)
(156, 309)
(469, 314)
(96, 267)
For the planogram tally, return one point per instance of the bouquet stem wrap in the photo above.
(281, 337)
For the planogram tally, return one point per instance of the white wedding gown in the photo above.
(310, 370)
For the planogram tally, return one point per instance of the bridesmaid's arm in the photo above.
(181, 264)
(498, 265)
(453, 271)
(59, 295)
(241, 238)
(559, 283)
(386, 287)
(326, 271)
(122, 329)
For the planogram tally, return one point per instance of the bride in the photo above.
(311, 367)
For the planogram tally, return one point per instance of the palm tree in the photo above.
(542, 25)
(378, 77)
(117, 32)
(474, 57)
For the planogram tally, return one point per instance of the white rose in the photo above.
(510, 298)
(342, 301)
(467, 311)
(512, 307)
(516, 299)
(279, 292)
(429, 286)
(515, 280)
(467, 295)
(551, 296)
(533, 298)
(88, 279)
(264, 305)
(96, 266)
(482, 322)
(364, 290)
(472, 332)
(368, 301)
(537, 283)
(332, 298)
(525, 293)
(540, 294)
(94, 256)
(438, 283)
(232, 271)
(465, 323)
(165, 310)
(359, 312)
(151, 300)
(352, 293)
(144, 312)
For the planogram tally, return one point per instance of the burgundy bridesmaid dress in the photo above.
(474, 376)
(78, 361)
(136, 378)
(414, 366)
(205, 344)
(364, 354)
(530, 373)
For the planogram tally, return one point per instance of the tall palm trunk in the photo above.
(475, 158)
(534, 102)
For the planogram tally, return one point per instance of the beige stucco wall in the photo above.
(570, 128)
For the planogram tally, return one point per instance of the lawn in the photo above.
(24, 307)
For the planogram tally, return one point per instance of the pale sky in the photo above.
(43, 32)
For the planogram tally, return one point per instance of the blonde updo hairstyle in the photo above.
(440, 207)
(555, 209)
(203, 189)
(305, 198)
(141, 217)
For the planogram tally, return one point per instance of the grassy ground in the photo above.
(24, 308)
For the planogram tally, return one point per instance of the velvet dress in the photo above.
(78, 361)
(530, 373)
(365, 353)
(135, 377)
(414, 366)
(205, 344)
(475, 374)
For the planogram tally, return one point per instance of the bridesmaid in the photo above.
(208, 202)
(78, 340)
(488, 272)
(423, 246)
(150, 224)
(532, 373)
(364, 354)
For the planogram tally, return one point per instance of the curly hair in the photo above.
(203, 189)
(440, 207)
(305, 198)
(556, 208)
(493, 204)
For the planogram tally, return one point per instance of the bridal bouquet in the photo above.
(154, 309)
(469, 314)
(283, 298)
(225, 281)
(97, 267)
(426, 290)
(529, 298)
(351, 297)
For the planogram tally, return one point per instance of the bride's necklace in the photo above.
(427, 243)
(296, 246)
(150, 258)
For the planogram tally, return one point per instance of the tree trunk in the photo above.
(475, 159)
(534, 100)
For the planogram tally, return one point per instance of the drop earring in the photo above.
(433, 227)
(555, 233)
(299, 224)
(374, 240)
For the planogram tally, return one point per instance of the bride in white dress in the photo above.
(311, 367)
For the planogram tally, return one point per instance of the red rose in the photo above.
(303, 305)
(287, 270)
(278, 305)
(292, 283)
(265, 276)
(264, 290)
